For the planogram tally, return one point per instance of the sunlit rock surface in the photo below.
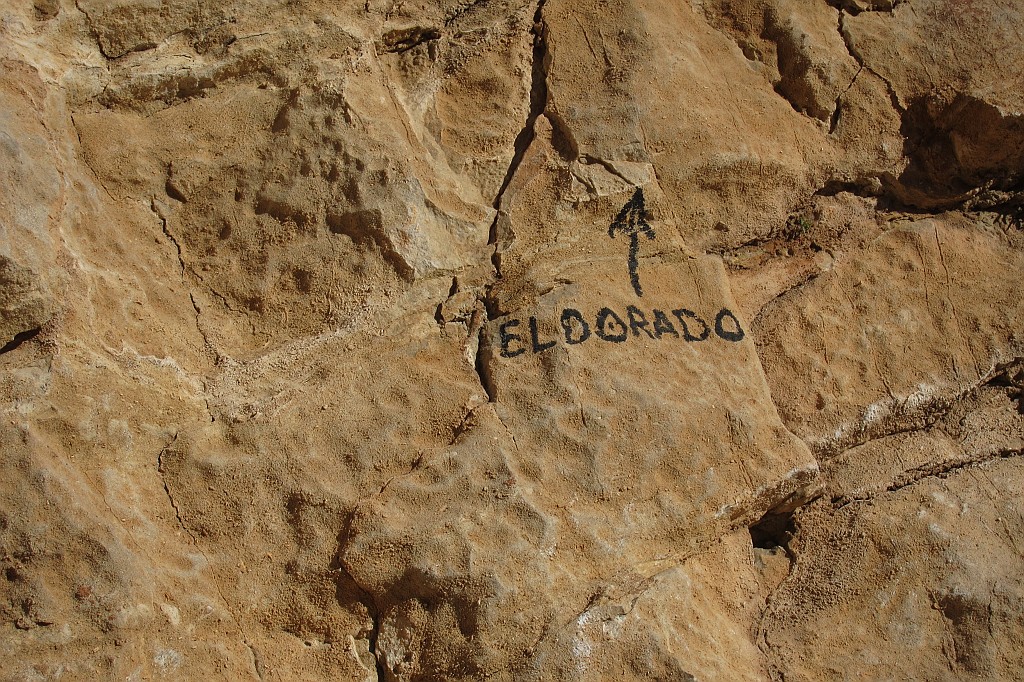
(488, 340)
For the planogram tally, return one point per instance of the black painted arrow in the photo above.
(631, 221)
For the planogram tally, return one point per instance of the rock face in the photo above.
(558, 341)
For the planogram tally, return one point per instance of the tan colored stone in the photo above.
(895, 333)
(572, 477)
(917, 583)
(301, 387)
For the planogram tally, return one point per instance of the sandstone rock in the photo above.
(813, 71)
(29, 191)
(23, 307)
(908, 571)
(488, 340)
(961, 122)
(697, 112)
(902, 320)
(685, 622)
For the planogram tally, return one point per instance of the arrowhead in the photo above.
(631, 219)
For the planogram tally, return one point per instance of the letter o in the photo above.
(724, 333)
(602, 321)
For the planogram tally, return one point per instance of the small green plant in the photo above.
(798, 225)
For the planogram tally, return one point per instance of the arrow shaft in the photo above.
(634, 265)
(632, 220)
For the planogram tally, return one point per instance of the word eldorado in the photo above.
(610, 327)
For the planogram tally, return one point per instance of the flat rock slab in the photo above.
(894, 335)
(631, 387)
(919, 583)
(593, 466)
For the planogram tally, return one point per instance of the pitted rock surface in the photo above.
(613, 339)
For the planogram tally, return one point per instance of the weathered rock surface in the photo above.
(919, 549)
(461, 340)
(899, 324)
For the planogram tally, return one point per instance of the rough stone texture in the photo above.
(613, 339)
(897, 326)
(919, 551)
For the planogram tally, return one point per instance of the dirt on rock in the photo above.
(614, 339)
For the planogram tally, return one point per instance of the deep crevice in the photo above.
(833, 122)
(482, 365)
(538, 104)
(20, 338)
(538, 99)
(962, 153)
(526, 136)
(346, 584)
(773, 530)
